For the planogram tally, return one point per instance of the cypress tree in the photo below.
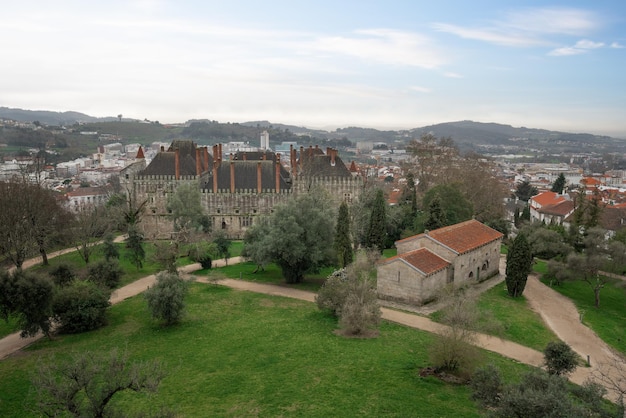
(343, 242)
(436, 215)
(377, 230)
(518, 266)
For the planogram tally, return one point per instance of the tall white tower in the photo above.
(265, 140)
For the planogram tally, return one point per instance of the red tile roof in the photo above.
(140, 153)
(563, 208)
(465, 236)
(422, 259)
(547, 198)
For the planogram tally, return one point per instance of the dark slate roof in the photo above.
(320, 165)
(164, 163)
(246, 176)
(256, 155)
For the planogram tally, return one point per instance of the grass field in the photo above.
(245, 354)
(520, 323)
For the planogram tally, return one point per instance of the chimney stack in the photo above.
(259, 182)
(206, 158)
(215, 167)
(198, 162)
(277, 173)
(333, 155)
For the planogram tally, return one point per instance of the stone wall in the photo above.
(399, 282)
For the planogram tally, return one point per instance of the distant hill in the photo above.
(49, 118)
(488, 138)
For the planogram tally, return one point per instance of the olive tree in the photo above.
(85, 384)
(166, 298)
(298, 236)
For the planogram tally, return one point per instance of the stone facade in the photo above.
(465, 253)
(236, 191)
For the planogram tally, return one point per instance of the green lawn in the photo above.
(246, 354)
(271, 274)
(520, 324)
(131, 272)
(608, 320)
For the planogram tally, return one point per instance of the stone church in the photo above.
(235, 189)
(464, 253)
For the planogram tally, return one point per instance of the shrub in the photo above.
(166, 255)
(109, 249)
(105, 273)
(360, 311)
(332, 295)
(166, 299)
(202, 253)
(537, 395)
(559, 358)
(80, 307)
(62, 275)
(487, 385)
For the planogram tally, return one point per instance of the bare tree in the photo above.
(86, 384)
(89, 224)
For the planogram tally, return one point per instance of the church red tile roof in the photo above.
(462, 237)
(422, 259)
(465, 236)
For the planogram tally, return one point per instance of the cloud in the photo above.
(580, 47)
(452, 75)
(616, 45)
(420, 89)
(529, 27)
(385, 46)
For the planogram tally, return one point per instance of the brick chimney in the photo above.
(277, 173)
(177, 164)
(215, 167)
(198, 161)
(301, 156)
(162, 148)
(292, 160)
(333, 155)
(206, 158)
(259, 179)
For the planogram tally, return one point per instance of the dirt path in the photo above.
(562, 316)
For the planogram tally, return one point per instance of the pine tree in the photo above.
(377, 230)
(518, 266)
(436, 216)
(343, 242)
(559, 184)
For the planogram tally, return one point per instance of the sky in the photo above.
(389, 64)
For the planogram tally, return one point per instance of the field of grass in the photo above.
(271, 274)
(245, 354)
(608, 320)
(520, 323)
(131, 272)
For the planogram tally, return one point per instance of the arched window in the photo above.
(471, 275)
